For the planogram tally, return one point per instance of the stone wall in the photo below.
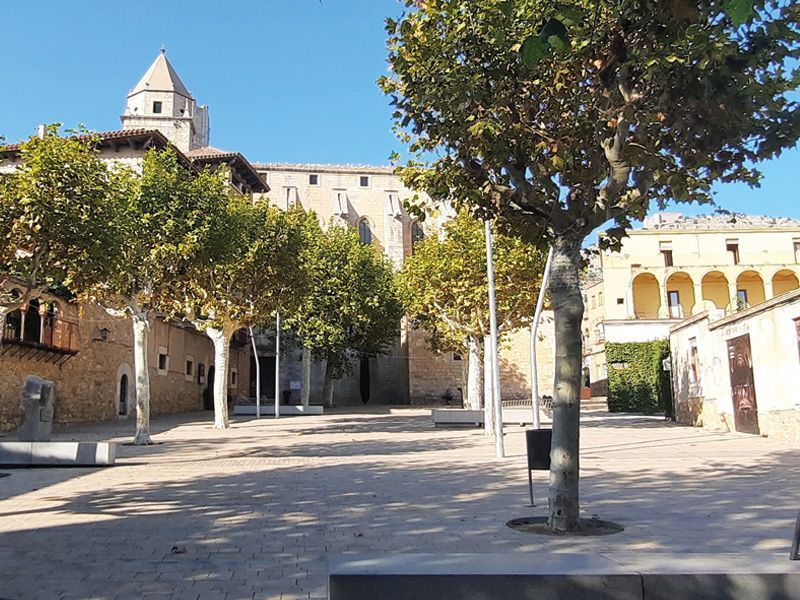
(431, 375)
(88, 384)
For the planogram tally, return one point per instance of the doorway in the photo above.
(267, 366)
(208, 393)
(122, 410)
(743, 391)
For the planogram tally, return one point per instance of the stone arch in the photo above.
(680, 295)
(715, 290)
(784, 281)
(646, 296)
(125, 370)
(749, 289)
(12, 328)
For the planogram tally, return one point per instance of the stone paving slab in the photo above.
(257, 510)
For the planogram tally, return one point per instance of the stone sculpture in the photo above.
(38, 396)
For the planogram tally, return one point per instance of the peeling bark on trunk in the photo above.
(222, 350)
(474, 375)
(329, 383)
(141, 329)
(305, 390)
(568, 312)
(488, 391)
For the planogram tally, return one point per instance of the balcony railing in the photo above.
(49, 333)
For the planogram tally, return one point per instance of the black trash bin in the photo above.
(538, 442)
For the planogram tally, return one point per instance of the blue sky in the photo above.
(286, 80)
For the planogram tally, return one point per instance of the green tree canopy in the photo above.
(55, 207)
(250, 267)
(563, 116)
(444, 286)
(351, 303)
(166, 212)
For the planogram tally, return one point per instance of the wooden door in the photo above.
(743, 391)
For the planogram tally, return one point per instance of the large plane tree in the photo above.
(569, 116)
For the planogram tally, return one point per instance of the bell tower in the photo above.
(161, 101)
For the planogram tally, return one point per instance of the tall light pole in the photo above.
(537, 424)
(258, 374)
(277, 365)
(498, 408)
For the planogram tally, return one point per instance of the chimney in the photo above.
(40, 131)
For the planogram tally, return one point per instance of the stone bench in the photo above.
(64, 454)
(548, 576)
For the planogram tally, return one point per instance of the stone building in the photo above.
(89, 355)
(737, 371)
(675, 267)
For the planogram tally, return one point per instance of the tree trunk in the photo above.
(141, 328)
(305, 390)
(564, 452)
(329, 383)
(222, 351)
(488, 389)
(474, 375)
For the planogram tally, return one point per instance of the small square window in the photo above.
(457, 357)
(156, 107)
(313, 179)
(163, 361)
(363, 181)
(189, 368)
(620, 300)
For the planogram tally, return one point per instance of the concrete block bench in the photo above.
(454, 417)
(60, 454)
(286, 409)
(539, 576)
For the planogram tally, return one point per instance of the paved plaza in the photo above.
(256, 511)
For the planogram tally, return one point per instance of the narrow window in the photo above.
(797, 250)
(674, 304)
(163, 361)
(797, 332)
(313, 179)
(600, 298)
(234, 378)
(417, 233)
(694, 371)
(732, 246)
(593, 301)
(364, 232)
(156, 107)
(201, 373)
(189, 368)
(666, 252)
(363, 181)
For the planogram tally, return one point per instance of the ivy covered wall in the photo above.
(636, 381)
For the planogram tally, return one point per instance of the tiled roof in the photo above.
(106, 136)
(210, 152)
(161, 77)
(325, 168)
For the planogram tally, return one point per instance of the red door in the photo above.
(740, 363)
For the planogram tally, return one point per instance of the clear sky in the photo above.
(286, 80)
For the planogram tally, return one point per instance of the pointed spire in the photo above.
(161, 77)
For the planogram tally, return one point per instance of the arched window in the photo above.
(13, 325)
(364, 231)
(417, 233)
